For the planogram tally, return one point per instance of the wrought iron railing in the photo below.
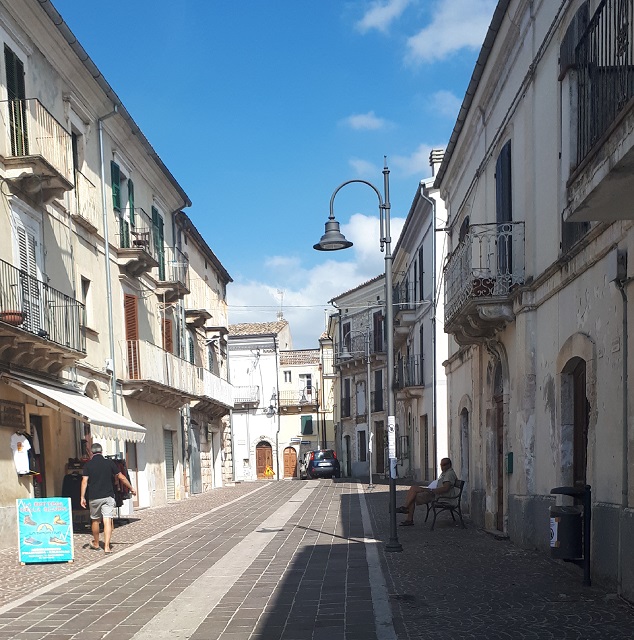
(176, 267)
(33, 306)
(354, 346)
(137, 232)
(33, 131)
(604, 61)
(403, 297)
(409, 372)
(85, 200)
(246, 395)
(488, 263)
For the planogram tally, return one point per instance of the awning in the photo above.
(104, 423)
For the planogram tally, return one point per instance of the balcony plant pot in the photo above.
(12, 316)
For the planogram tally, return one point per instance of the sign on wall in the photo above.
(45, 530)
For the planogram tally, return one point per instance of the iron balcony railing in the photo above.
(298, 398)
(604, 59)
(33, 306)
(409, 372)
(488, 263)
(173, 266)
(33, 131)
(354, 346)
(84, 202)
(246, 395)
(147, 361)
(403, 297)
(137, 232)
(213, 387)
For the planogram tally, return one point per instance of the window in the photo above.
(378, 391)
(421, 284)
(168, 342)
(287, 376)
(362, 445)
(345, 399)
(16, 95)
(307, 425)
(159, 238)
(85, 299)
(504, 210)
(360, 398)
(190, 348)
(210, 358)
(378, 328)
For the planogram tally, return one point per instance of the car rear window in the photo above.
(326, 454)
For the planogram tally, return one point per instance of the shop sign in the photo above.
(12, 414)
(45, 530)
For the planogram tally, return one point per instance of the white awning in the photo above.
(104, 422)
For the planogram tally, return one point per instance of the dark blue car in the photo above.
(322, 463)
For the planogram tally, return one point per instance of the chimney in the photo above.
(435, 159)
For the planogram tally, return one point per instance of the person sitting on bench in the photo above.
(417, 495)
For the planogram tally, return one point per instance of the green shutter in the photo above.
(16, 93)
(157, 223)
(115, 179)
(307, 425)
(131, 201)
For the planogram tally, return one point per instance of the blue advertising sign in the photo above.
(45, 530)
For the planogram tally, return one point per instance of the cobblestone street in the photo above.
(297, 561)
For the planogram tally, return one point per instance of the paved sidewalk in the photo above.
(294, 561)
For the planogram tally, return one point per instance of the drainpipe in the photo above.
(104, 205)
(624, 447)
(277, 391)
(434, 426)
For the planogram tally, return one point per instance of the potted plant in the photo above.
(12, 316)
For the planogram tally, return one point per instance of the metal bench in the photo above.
(452, 505)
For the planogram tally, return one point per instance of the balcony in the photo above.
(409, 380)
(136, 245)
(154, 375)
(172, 273)
(196, 318)
(84, 203)
(482, 277)
(354, 349)
(215, 395)
(403, 301)
(307, 398)
(246, 397)
(601, 185)
(36, 150)
(40, 327)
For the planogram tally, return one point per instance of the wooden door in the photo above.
(499, 435)
(290, 462)
(131, 313)
(379, 446)
(581, 417)
(263, 459)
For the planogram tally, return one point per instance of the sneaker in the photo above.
(31, 541)
(57, 541)
(58, 520)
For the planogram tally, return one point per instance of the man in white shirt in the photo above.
(417, 495)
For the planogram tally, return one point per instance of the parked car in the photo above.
(321, 463)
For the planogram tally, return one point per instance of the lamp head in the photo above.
(333, 239)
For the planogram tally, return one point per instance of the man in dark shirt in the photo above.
(98, 475)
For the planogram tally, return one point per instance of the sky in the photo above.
(262, 108)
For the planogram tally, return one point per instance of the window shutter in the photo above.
(307, 425)
(131, 201)
(16, 94)
(131, 318)
(115, 179)
(190, 344)
(157, 223)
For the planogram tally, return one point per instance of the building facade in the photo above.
(537, 180)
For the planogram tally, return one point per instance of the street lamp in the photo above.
(333, 240)
(346, 354)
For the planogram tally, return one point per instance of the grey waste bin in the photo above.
(565, 533)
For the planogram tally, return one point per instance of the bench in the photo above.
(452, 505)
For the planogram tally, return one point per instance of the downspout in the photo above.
(624, 446)
(434, 426)
(104, 206)
(277, 393)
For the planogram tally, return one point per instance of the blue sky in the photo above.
(261, 108)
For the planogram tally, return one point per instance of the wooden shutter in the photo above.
(130, 304)
(131, 201)
(115, 179)
(157, 223)
(30, 294)
(16, 94)
(168, 342)
(190, 344)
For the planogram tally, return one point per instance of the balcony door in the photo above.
(131, 314)
(16, 95)
(504, 211)
(26, 294)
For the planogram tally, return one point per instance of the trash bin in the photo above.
(565, 533)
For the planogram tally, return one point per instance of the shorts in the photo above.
(102, 508)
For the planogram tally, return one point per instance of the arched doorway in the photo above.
(263, 459)
(290, 462)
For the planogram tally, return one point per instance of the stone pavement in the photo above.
(299, 561)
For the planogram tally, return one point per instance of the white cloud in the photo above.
(381, 15)
(363, 168)
(456, 24)
(446, 103)
(307, 291)
(366, 122)
(416, 164)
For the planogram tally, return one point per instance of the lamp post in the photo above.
(345, 355)
(333, 240)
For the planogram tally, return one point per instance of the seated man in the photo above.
(416, 494)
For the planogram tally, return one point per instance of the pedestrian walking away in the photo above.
(417, 495)
(98, 478)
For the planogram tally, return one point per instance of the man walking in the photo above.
(98, 475)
